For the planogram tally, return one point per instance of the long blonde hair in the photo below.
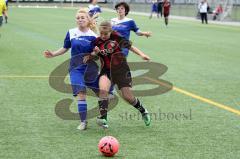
(91, 25)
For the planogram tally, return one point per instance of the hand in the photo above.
(148, 34)
(96, 50)
(86, 58)
(48, 54)
(145, 57)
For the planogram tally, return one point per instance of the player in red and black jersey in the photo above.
(108, 48)
(115, 70)
(166, 10)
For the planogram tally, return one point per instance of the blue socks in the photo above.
(82, 109)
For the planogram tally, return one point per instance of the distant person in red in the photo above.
(166, 10)
(217, 11)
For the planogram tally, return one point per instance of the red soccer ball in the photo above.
(108, 146)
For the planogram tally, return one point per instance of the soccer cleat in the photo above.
(102, 123)
(146, 118)
(82, 126)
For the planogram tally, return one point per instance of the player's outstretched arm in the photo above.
(92, 56)
(144, 33)
(50, 54)
(139, 53)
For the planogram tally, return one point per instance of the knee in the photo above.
(82, 96)
(103, 93)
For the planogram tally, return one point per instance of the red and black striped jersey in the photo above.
(110, 50)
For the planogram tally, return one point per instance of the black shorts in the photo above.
(159, 7)
(1, 20)
(121, 76)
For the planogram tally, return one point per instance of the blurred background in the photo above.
(186, 8)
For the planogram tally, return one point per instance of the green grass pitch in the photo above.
(201, 59)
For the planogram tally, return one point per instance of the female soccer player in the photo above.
(166, 10)
(79, 40)
(160, 2)
(115, 70)
(154, 9)
(94, 9)
(124, 25)
(94, 12)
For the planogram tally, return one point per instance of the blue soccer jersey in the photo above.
(81, 75)
(80, 44)
(93, 9)
(124, 27)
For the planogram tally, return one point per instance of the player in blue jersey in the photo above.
(94, 9)
(94, 12)
(154, 9)
(79, 40)
(124, 25)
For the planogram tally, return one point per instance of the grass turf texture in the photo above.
(203, 59)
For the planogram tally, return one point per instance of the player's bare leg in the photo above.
(104, 86)
(166, 21)
(131, 99)
(150, 17)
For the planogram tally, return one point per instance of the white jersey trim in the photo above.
(76, 33)
(93, 6)
(116, 21)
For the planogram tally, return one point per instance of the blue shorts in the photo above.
(82, 77)
(154, 8)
